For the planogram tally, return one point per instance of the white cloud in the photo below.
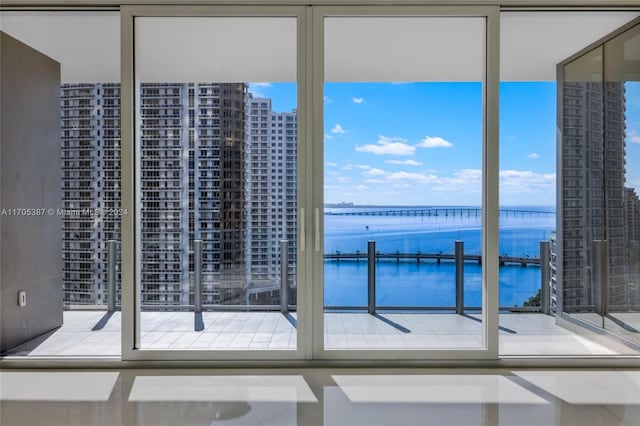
(333, 177)
(512, 182)
(397, 179)
(524, 181)
(377, 182)
(338, 129)
(633, 181)
(362, 166)
(254, 88)
(350, 166)
(634, 137)
(357, 100)
(375, 172)
(362, 187)
(330, 164)
(403, 186)
(464, 180)
(434, 142)
(403, 177)
(404, 162)
(388, 146)
(327, 100)
(328, 136)
(533, 156)
(527, 188)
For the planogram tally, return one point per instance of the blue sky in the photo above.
(420, 143)
(632, 95)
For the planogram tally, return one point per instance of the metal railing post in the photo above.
(111, 275)
(371, 280)
(284, 276)
(459, 255)
(197, 276)
(545, 277)
(600, 271)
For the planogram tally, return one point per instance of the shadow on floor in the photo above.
(291, 319)
(198, 322)
(505, 329)
(27, 347)
(392, 323)
(103, 321)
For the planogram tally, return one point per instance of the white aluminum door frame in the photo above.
(490, 173)
(131, 339)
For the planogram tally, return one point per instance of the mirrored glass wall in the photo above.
(600, 158)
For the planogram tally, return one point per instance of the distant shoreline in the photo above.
(386, 206)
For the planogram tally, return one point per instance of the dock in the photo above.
(438, 257)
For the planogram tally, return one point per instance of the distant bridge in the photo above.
(438, 257)
(440, 212)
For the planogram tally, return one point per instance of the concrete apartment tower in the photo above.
(90, 187)
(593, 178)
(271, 197)
(192, 186)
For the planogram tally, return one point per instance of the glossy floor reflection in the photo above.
(309, 397)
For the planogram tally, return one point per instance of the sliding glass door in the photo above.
(215, 159)
(405, 268)
(301, 187)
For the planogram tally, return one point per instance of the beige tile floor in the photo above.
(89, 333)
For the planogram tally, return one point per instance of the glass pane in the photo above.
(217, 138)
(583, 185)
(60, 183)
(544, 261)
(403, 173)
(622, 148)
(600, 284)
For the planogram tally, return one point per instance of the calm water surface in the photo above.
(428, 284)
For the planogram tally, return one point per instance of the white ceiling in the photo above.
(531, 44)
(402, 49)
(215, 49)
(87, 44)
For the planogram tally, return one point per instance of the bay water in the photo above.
(411, 284)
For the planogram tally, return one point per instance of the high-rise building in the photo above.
(632, 219)
(632, 214)
(90, 125)
(192, 186)
(553, 272)
(271, 197)
(593, 173)
(192, 138)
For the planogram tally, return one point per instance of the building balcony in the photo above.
(90, 332)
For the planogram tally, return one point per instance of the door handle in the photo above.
(317, 233)
(303, 239)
